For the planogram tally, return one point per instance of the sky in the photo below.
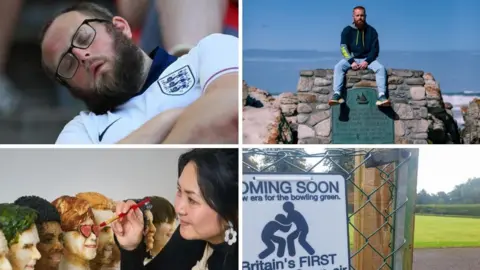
(405, 25)
(440, 168)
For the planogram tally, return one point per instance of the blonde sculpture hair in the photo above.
(97, 201)
(73, 211)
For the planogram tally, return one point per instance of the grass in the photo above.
(443, 232)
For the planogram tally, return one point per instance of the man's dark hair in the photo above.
(162, 210)
(90, 9)
(46, 211)
(87, 8)
(360, 7)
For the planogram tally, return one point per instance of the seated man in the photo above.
(360, 49)
(136, 98)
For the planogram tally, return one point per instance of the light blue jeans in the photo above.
(343, 66)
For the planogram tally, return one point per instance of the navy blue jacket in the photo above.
(357, 43)
(180, 254)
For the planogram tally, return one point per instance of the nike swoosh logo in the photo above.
(100, 137)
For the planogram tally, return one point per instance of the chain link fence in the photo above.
(381, 187)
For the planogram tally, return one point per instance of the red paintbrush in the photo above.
(133, 207)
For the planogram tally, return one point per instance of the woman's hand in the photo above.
(129, 229)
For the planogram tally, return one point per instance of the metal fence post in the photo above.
(401, 200)
(410, 210)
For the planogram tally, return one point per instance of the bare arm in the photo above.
(213, 118)
(155, 130)
(183, 23)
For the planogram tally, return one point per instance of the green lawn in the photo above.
(442, 232)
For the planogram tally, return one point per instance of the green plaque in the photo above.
(360, 121)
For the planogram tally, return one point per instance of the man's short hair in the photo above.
(162, 210)
(46, 211)
(87, 8)
(360, 7)
(90, 9)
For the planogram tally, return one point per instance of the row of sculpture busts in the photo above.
(65, 233)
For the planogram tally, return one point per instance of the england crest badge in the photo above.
(177, 82)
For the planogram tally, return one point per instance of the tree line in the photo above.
(466, 193)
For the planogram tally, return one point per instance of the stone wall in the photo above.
(421, 115)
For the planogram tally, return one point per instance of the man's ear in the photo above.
(122, 25)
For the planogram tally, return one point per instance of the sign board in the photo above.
(294, 221)
(360, 121)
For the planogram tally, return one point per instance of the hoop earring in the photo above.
(230, 234)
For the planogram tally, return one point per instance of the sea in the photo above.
(455, 71)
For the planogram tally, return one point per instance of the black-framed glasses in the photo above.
(82, 39)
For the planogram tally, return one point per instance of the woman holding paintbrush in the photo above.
(207, 207)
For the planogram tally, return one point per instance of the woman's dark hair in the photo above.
(217, 172)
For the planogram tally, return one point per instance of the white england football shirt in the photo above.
(171, 83)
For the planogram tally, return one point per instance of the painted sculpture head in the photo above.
(4, 262)
(18, 226)
(149, 227)
(80, 233)
(164, 219)
(49, 231)
(108, 253)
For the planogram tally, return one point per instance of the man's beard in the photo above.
(359, 24)
(119, 85)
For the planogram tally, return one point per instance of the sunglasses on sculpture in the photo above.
(86, 230)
